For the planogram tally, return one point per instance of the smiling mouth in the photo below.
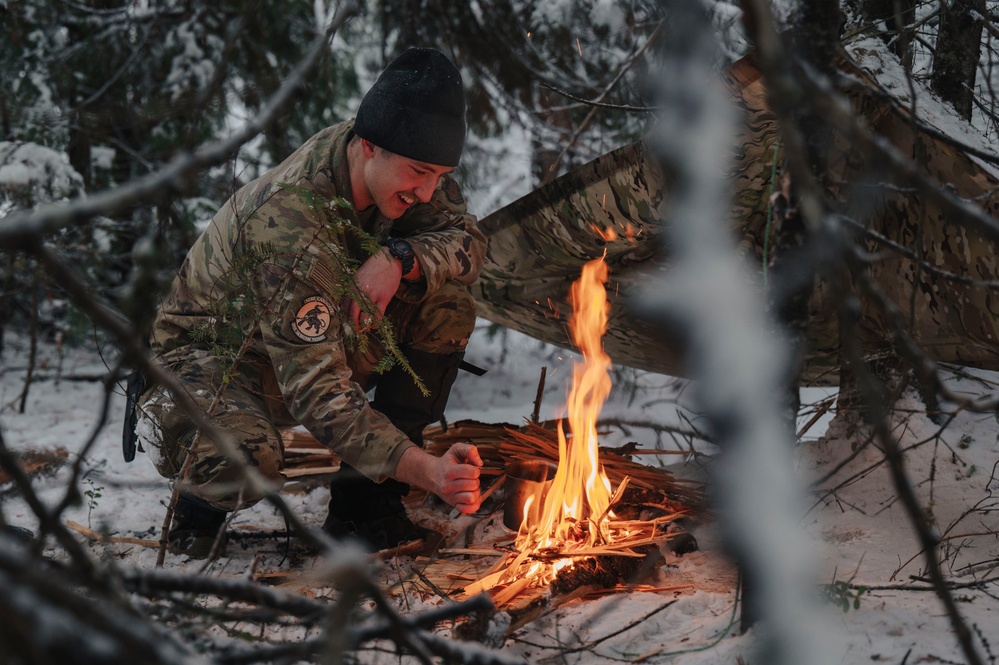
(406, 199)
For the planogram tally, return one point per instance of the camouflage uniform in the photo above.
(265, 277)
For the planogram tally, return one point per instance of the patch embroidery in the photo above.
(313, 319)
(452, 191)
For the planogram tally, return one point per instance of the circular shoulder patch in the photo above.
(313, 319)
(452, 191)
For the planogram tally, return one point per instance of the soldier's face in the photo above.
(394, 182)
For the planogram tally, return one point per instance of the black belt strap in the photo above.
(471, 369)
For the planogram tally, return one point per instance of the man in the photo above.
(269, 326)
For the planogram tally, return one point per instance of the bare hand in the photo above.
(378, 279)
(461, 486)
(454, 477)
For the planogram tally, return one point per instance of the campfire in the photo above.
(574, 522)
(602, 515)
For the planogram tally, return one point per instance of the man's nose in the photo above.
(426, 190)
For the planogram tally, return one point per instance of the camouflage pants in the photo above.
(250, 408)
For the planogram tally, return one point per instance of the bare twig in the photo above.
(553, 169)
(159, 583)
(536, 414)
(877, 415)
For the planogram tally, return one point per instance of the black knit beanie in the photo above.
(416, 108)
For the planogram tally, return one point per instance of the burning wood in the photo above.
(576, 534)
(502, 444)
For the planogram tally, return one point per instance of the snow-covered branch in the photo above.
(25, 230)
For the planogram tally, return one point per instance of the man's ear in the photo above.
(368, 148)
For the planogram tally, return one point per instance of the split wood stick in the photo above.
(503, 596)
(273, 575)
(541, 393)
(637, 588)
(490, 579)
(655, 451)
(557, 602)
(411, 547)
(492, 488)
(310, 471)
(472, 551)
(309, 451)
(595, 551)
(121, 540)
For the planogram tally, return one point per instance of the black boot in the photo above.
(374, 512)
(196, 525)
(18, 534)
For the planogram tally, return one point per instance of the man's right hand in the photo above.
(378, 279)
(454, 477)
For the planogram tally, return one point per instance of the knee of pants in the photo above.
(443, 322)
(210, 474)
(226, 483)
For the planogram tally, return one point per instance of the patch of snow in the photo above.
(873, 55)
(197, 58)
(15, 175)
(38, 172)
(102, 156)
(607, 13)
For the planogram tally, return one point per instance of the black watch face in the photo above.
(403, 251)
(401, 248)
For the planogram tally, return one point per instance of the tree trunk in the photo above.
(898, 16)
(958, 49)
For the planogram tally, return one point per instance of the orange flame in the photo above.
(607, 234)
(576, 508)
(611, 234)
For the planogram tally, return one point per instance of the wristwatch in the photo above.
(403, 251)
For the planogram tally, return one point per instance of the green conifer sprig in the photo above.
(222, 333)
(337, 227)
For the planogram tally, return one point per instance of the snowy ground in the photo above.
(860, 531)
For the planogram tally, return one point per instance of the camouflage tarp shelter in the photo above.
(538, 244)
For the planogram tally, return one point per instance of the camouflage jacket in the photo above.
(268, 276)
